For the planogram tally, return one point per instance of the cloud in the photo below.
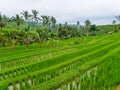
(99, 11)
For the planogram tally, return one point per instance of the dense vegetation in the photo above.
(26, 28)
(36, 53)
(84, 65)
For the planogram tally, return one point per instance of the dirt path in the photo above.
(118, 87)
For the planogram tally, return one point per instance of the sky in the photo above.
(97, 11)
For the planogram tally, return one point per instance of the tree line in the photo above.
(26, 28)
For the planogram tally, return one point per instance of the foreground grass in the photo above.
(55, 67)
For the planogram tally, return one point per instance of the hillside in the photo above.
(93, 64)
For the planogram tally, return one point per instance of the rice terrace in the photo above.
(45, 50)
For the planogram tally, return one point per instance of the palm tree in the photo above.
(45, 20)
(118, 18)
(2, 21)
(87, 26)
(12, 39)
(114, 22)
(0, 17)
(42, 35)
(25, 37)
(114, 25)
(35, 17)
(26, 17)
(53, 22)
(5, 18)
(2, 24)
(78, 25)
(18, 20)
(2, 39)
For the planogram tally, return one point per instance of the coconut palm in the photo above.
(118, 18)
(12, 39)
(42, 35)
(35, 17)
(87, 26)
(26, 17)
(45, 20)
(0, 17)
(114, 26)
(5, 18)
(53, 22)
(2, 24)
(78, 25)
(18, 19)
(25, 38)
(2, 21)
(2, 39)
(114, 22)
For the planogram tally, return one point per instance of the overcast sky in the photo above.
(97, 11)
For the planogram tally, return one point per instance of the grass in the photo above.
(58, 67)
